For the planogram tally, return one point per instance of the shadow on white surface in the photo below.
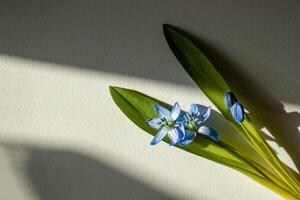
(126, 39)
(123, 39)
(66, 175)
(267, 111)
(260, 39)
(68, 107)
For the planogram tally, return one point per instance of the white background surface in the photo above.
(63, 138)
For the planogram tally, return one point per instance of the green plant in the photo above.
(138, 108)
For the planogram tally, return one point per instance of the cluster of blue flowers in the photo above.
(232, 105)
(182, 128)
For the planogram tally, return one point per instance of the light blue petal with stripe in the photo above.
(181, 131)
(161, 111)
(174, 136)
(175, 111)
(188, 138)
(159, 136)
(210, 132)
(204, 114)
(237, 112)
(194, 109)
(229, 100)
(154, 122)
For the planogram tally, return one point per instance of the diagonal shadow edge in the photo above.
(71, 175)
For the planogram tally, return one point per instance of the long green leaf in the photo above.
(214, 86)
(200, 69)
(138, 108)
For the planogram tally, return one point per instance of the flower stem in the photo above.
(267, 179)
(265, 151)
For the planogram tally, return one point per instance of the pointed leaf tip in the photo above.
(168, 30)
(113, 88)
(138, 108)
(110, 88)
(112, 91)
(166, 26)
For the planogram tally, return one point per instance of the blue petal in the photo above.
(229, 100)
(204, 114)
(154, 122)
(237, 112)
(159, 136)
(188, 138)
(194, 109)
(181, 131)
(174, 136)
(161, 111)
(210, 132)
(175, 111)
(181, 118)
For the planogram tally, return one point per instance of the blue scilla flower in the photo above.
(193, 121)
(236, 109)
(167, 124)
(229, 100)
(237, 112)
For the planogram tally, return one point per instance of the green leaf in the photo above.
(200, 69)
(214, 86)
(138, 108)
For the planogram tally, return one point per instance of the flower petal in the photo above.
(180, 131)
(204, 114)
(154, 122)
(175, 111)
(174, 136)
(210, 132)
(159, 136)
(188, 138)
(237, 112)
(229, 100)
(194, 109)
(161, 111)
(181, 118)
